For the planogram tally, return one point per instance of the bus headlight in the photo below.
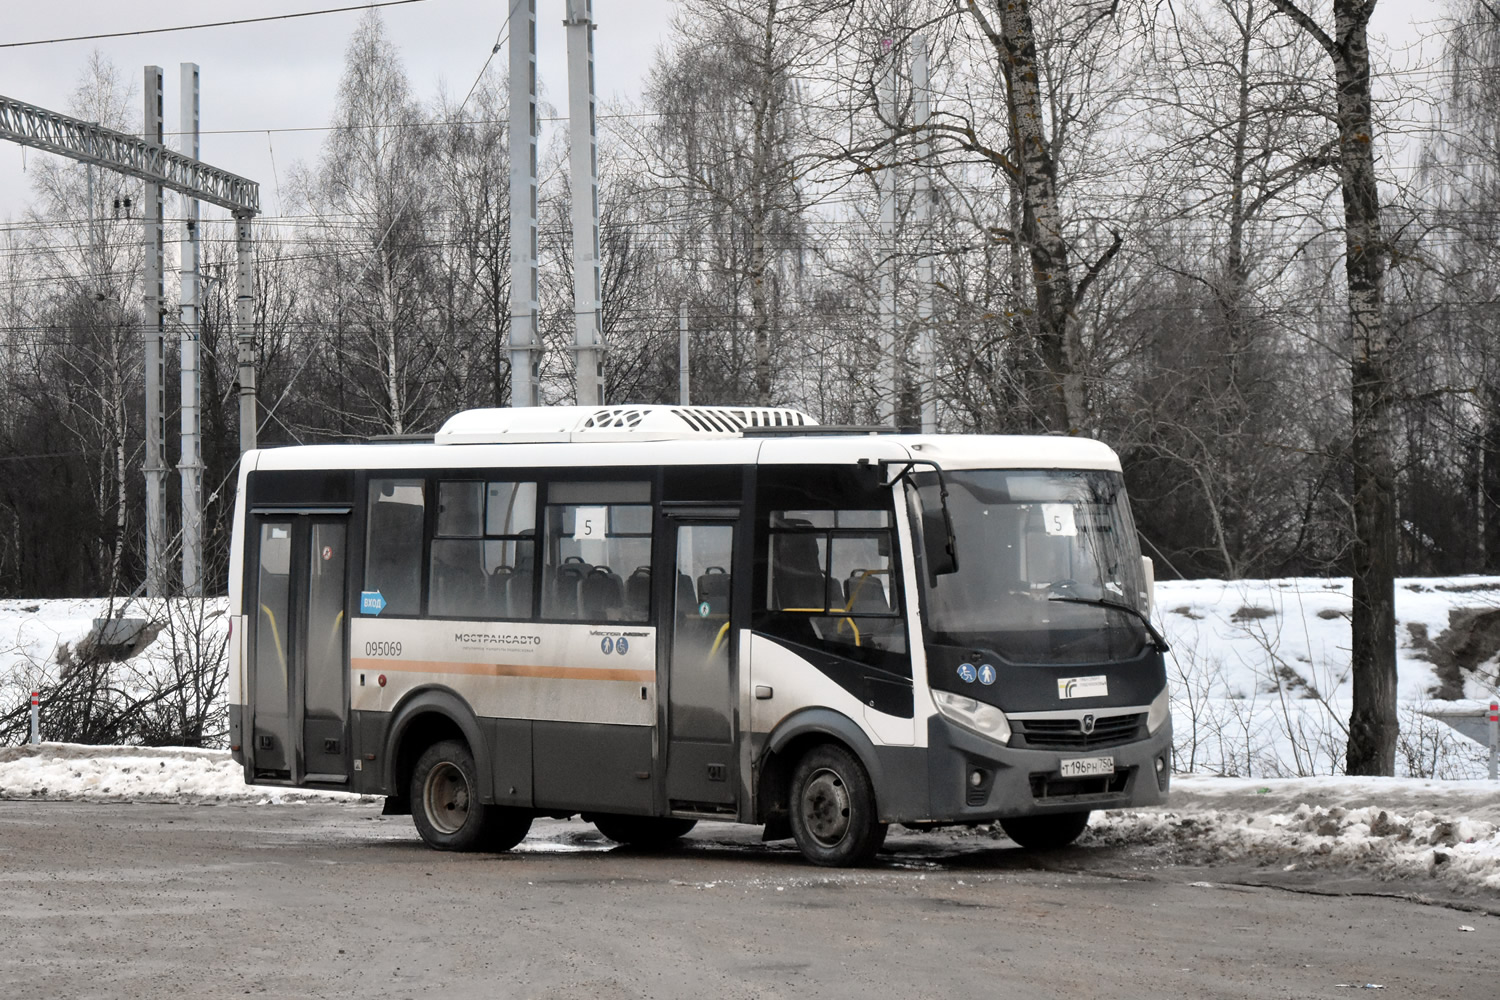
(1159, 712)
(986, 720)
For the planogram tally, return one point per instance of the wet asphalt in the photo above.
(333, 900)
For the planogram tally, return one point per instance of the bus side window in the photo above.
(393, 544)
(598, 538)
(483, 550)
(830, 582)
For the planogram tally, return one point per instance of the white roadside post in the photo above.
(36, 721)
(1494, 738)
(1483, 727)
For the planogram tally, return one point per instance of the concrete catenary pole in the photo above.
(588, 341)
(684, 373)
(921, 216)
(244, 328)
(154, 335)
(523, 228)
(887, 292)
(190, 462)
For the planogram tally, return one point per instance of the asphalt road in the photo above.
(122, 900)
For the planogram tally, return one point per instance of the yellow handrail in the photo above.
(723, 631)
(824, 611)
(276, 634)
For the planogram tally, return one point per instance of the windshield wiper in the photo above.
(1157, 638)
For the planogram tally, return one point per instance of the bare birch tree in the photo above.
(1373, 723)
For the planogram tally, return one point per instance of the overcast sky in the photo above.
(284, 74)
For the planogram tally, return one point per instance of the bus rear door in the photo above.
(298, 681)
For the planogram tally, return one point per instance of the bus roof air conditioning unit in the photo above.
(529, 425)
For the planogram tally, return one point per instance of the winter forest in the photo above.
(1157, 258)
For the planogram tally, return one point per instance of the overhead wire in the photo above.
(207, 24)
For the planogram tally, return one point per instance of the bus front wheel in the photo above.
(833, 809)
(1043, 833)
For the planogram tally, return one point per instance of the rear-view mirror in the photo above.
(937, 544)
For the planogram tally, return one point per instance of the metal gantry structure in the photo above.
(147, 158)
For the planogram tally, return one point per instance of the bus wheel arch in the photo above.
(423, 719)
(843, 763)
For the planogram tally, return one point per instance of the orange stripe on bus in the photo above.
(503, 670)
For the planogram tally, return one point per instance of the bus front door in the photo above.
(702, 647)
(300, 705)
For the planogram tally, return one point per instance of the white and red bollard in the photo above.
(1494, 738)
(36, 722)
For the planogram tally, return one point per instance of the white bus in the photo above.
(652, 615)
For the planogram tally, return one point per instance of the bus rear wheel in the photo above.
(1044, 833)
(645, 832)
(446, 809)
(833, 809)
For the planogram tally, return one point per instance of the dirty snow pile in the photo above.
(66, 771)
(1389, 828)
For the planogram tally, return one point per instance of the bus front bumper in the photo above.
(974, 779)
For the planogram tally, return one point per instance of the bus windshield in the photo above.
(1033, 546)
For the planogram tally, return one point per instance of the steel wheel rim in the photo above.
(825, 807)
(445, 798)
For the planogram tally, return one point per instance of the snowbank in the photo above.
(67, 771)
(1460, 852)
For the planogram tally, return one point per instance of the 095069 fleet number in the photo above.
(382, 649)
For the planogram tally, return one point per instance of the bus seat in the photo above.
(459, 582)
(499, 589)
(797, 577)
(687, 597)
(713, 590)
(518, 592)
(638, 594)
(864, 593)
(566, 580)
(600, 595)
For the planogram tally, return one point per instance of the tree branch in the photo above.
(1307, 24)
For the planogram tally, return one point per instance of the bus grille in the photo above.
(1068, 734)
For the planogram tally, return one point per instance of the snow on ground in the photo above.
(1391, 828)
(1260, 677)
(69, 771)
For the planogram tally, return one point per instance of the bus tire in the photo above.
(833, 809)
(644, 832)
(1048, 832)
(445, 802)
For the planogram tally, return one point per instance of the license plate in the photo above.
(1080, 767)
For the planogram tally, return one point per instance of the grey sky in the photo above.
(283, 74)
